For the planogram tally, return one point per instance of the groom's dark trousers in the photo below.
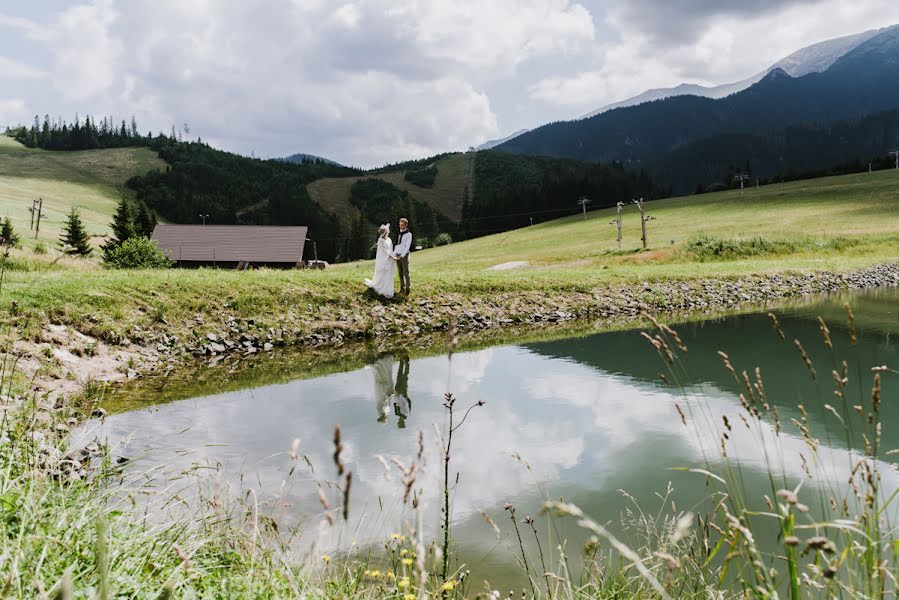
(403, 268)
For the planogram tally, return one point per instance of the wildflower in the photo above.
(507, 506)
(404, 552)
(389, 575)
(394, 536)
(376, 573)
(403, 583)
(408, 562)
(528, 520)
(409, 597)
(448, 586)
(326, 558)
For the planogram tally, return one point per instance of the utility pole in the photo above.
(617, 222)
(643, 219)
(40, 208)
(583, 201)
(32, 210)
(742, 178)
(896, 154)
(204, 217)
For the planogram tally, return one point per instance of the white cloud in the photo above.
(86, 50)
(711, 43)
(371, 81)
(364, 82)
(12, 111)
(17, 70)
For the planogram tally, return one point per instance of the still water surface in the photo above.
(589, 416)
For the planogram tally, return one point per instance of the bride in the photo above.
(384, 264)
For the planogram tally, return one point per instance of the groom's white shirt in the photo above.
(402, 249)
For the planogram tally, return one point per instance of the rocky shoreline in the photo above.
(166, 346)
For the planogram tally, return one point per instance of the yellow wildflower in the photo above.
(403, 583)
(407, 562)
(389, 575)
(448, 586)
(394, 536)
(375, 573)
(409, 597)
(404, 552)
(326, 558)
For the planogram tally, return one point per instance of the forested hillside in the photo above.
(234, 189)
(802, 150)
(863, 82)
(513, 191)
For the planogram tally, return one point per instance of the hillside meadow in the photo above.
(444, 196)
(91, 180)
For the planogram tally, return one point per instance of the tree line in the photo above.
(86, 134)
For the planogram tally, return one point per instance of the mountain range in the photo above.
(810, 59)
(849, 87)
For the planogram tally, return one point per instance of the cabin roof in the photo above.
(231, 243)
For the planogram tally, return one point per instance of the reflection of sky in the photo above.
(582, 430)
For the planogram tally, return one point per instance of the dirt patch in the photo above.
(64, 360)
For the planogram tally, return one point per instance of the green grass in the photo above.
(837, 224)
(91, 180)
(445, 195)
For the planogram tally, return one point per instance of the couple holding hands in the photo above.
(390, 256)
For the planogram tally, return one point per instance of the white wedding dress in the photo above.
(384, 266)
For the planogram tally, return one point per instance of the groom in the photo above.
(401, 255)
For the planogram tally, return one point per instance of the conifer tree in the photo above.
(8, 235)
(74, 238)
(123, 226)
(144, 220)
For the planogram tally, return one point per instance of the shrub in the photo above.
(443, 239)
(423, 242)
(136, 253)
(706, 247)
(40, 248)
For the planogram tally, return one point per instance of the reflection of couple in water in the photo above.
(388, 394)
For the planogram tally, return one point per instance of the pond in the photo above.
(586, 419)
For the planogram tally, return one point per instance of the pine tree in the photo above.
(8, 235)
(123, 226)
(144, 220)
(74, 239)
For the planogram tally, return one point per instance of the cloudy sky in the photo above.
(373, 81)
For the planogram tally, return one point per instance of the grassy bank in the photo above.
(728, 249)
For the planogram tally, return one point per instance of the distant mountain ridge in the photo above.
(861, 82)
(811, 59)
(490, 144)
